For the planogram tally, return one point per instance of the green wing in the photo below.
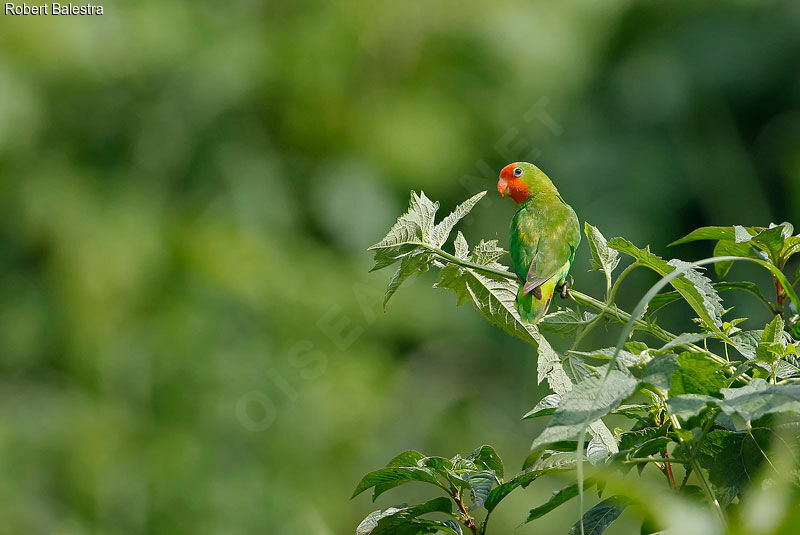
(544, 236)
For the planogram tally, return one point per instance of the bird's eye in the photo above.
(517, 172)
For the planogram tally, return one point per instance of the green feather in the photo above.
(544, 228)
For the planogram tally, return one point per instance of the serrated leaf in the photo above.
(771, 336)
(697, 374)
(759, 398)
(491, 295)
(486, 253)
(550, 368)
(565, 322)
(626, 358)
(442, 230)
(588, 401)
(560, 497)
(402, 519)
(687, 406)
(461, 247)
(659, 371)
(413, 226)
(693, 287)
(663, 299)
(788, 367)
(632, 440)
(495, 298)
(603, 258)
(596, 452)
(711, 301)
(413, 264)
(598, 518)
(732, 459)
(748, 403)
(636, 412)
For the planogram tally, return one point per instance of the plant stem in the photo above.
(619, 280)
(696, 468)
(637, 460)
(610, 310)
(669, 468)
(469, 522)
(780, 294)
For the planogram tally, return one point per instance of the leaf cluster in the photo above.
(700, 406)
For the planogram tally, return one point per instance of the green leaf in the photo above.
(732, 459)
(636, 412)
(695, 288)
(402, 519)
(545, 407)
(565, 322)
(659, 371)
(685, 338)
(550, 367)
(731, 248)
(461, 247)
(697, 374)
(415, 263)
(588, 401)
(759, 398)
(524, 478)
(408, 458)
(411, 229)
(558, 498)
(772, 336)
(624, 357)
(416, 229)
(491, 295)
(481, 484)
(532, 459)
(598, 518)
(772, 241)
(442, 230)
(603, 258)
(687, 406)
(486, 254)
(392, 476)
(707, 233)
(632, 440)
(487, 457)
(663, 299)
(749, 402)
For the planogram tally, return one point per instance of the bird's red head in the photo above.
(511, 182)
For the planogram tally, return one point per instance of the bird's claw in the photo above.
(564, 288)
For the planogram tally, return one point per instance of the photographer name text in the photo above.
(52, 9)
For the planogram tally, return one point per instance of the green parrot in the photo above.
(544, 236)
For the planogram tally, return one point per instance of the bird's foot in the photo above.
(564, 288)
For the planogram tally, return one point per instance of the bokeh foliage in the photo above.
(188, 188)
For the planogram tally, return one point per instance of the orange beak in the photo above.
(502, 187)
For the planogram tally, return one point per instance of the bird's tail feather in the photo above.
(531, 309)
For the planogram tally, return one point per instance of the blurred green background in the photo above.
(191, 342)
